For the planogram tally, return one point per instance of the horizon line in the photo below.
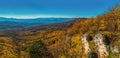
(39, 16)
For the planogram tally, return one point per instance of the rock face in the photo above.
(115, 49)
(68, 39)
(100, 45)
(85, 43)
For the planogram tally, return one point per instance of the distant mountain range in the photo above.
(11, 23)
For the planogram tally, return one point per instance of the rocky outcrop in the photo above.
(85, 44)
(68, 39)
(115, 49)
(100, 45)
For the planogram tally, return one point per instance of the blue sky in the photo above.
(54, 8)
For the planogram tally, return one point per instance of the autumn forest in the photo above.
(71, 39)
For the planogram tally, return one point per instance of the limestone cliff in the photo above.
(100, 45)
(85, 43)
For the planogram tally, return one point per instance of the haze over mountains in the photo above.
(10, 23)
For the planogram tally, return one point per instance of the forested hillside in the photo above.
(63, 40)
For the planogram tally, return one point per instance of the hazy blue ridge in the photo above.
(8, 23)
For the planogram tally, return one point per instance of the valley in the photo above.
(97, 37)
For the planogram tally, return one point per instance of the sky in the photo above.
(54, 8)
